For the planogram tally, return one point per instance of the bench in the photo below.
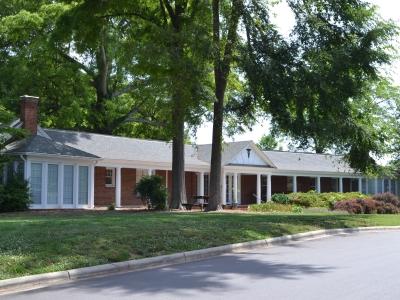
(198, 201)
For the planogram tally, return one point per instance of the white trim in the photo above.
(60, 185)
(91, 185)
(258, 188)
(269, 187)
(318, 184)
(294, 184)
(235, 188)
(76, 186)
(118, 187)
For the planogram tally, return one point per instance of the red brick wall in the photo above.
(346, 185)
(279, 184)
(305, 184)
(329, 184)
(248, 185)
(128, 184)
(191, 185)
(103, 195)
(29, 114)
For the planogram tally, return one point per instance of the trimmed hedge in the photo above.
(314, 199)
(274, 207)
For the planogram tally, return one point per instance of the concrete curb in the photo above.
(41, 280)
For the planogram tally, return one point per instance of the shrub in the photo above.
(14, 195)
(270, 207)
(280, 198)
(297, 209)
(111, 206)
(387, 198)
(328, 200)
(351, 206)
(153, 192)
(366, 206)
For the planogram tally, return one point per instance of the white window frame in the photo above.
(112, 184)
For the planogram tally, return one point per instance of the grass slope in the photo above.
(32, 243)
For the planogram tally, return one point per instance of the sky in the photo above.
(388, 9)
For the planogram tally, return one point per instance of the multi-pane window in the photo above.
(36, 183)
(83, 197)
(52, 184)
(110, 177)
(206, 184)
(68, 195)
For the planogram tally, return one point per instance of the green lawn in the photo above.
(34, 242)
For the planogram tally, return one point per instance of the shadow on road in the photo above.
(211, 275)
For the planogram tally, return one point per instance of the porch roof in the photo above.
(312, 162)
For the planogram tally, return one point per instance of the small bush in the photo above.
(271, 207)
(153, 192)
(297, 209)
(387, 198)
(14, 195)
(280, 198)
(111, 206)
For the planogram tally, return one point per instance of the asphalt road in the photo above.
(360, 266)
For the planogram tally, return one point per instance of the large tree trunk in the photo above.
(178, 156)
(222, 64)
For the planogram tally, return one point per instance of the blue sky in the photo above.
(388, 9)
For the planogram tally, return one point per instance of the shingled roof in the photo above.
(44, 146)
(302, 161)
(122, 148)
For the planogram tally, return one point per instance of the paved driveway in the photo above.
(360, 266)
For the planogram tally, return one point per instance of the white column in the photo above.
(294, 184)
(340, 184)
(76, 186)
(91, 186)
(258, 188)
(118, 186)
(390, 185)
(201, 184)
(366, 185)
(269, 188)
(360, 184)
(235, 188)
(60, 185)
(27, 170)
(44, 184)
(223, 188)
(149, 172)
(318, 184)
(230, 188)
(376, 185)
(383, 185)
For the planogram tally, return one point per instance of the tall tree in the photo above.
(307, 83)
(224, 46)
(268, 142)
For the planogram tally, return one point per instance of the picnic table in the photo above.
(197, 201)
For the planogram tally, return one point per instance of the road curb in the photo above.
(41, 280)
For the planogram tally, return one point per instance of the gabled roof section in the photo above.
(301, 161)
(122, 148)
(231, 151)
(40, 145)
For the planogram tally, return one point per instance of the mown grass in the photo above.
(32, 242)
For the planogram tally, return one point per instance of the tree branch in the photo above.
(77, 63)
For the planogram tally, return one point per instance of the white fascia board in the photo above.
(314, 173)
(274, 171)
(61, 159)
(149, 165)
